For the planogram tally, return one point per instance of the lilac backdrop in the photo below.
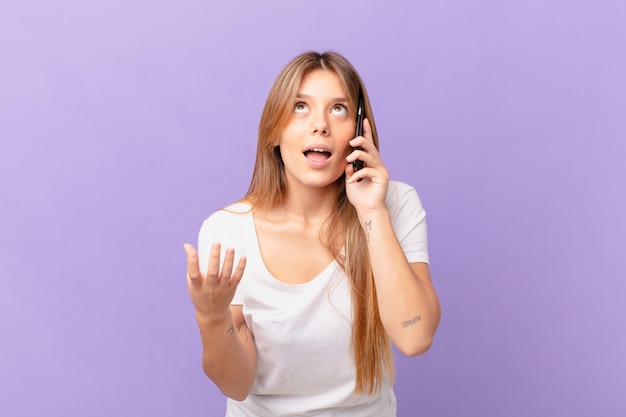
(124, 124)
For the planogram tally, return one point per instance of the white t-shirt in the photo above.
(303, 332)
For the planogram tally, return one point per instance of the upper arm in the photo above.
(243, 331)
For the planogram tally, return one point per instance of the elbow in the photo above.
(237, 388)
(421, 341)
(237, 396)
(415, 348)
(237, 392)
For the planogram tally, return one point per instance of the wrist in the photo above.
(213, 319)
(374, 222)
(366, 215)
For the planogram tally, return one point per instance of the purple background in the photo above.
(124, 124)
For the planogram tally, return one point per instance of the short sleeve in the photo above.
(409, 220)
(232, 227)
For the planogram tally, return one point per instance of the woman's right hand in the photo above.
(212, 293)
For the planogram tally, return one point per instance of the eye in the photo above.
(301, 107)
(340, 109)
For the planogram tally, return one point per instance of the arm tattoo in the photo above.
(412, 321)
(368, 227)
(241, 326)
(231, 330)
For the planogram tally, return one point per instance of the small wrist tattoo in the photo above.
(231, 330)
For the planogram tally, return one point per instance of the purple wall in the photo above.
(123, 125)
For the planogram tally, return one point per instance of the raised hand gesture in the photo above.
(212, 293)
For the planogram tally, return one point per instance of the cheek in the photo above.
(285, 136)
(346, 133)
(347, 151)
(292, 131)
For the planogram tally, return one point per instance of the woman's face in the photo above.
(314, 144)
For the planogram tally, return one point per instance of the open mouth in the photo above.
(317, 154)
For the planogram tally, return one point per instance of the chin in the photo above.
(327, 181)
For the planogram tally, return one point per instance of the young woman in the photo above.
(301, 287)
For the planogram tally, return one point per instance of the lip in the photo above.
(318, 146)
(318, 164)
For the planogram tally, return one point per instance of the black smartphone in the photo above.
(360, 115)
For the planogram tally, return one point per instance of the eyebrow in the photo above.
(337, 99)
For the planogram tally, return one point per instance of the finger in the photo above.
(227, 269)
(358, 175)
(349, 167)
(213, 269)
(361, 143)
(238, 274)
(357, 153)
(369, 159)
(193, 267)
(351, 174)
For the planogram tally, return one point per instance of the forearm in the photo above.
(408, 305)
(225, 359)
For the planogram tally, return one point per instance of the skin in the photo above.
(289, 239)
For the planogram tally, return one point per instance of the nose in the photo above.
(319, 125)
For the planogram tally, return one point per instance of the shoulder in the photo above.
(230, 213)
(402, 196)
(409, 220)
(232, 219)
(399, 188)
(232, 226)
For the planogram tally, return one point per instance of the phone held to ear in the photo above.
(360, 115)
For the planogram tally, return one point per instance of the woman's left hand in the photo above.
(366, 188)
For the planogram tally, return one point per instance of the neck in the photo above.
(310, 204)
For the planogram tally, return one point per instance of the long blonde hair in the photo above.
(371, 349)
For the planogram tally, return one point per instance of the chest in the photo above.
(292, 255)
